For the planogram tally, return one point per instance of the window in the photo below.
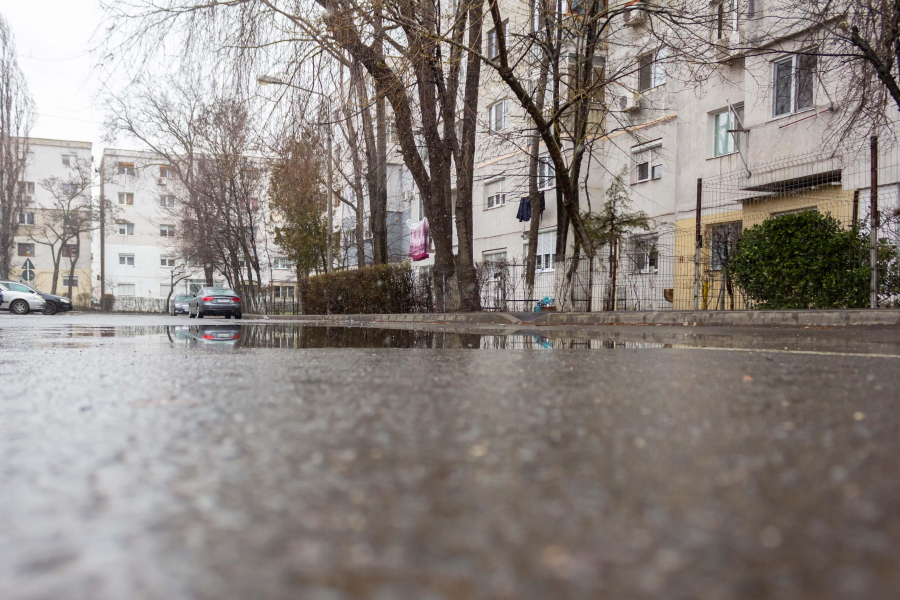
(284, 291)
(26, 187)
(125, 289)
(546, 178)
(723, 241)
(724, 124)
(70, 251)
(726, 18)
(280, 262)
(647, 161)
(494, 193)
(166, 173)
(493, 44)
(644, 254)
(652, 69)
(496, 261)
(167, 201)
(26, 249)
(126, 199)
(70, 190)
(126, 259)
(793, 81)
(546, 249)
(26, 218)
(70, 281)
(165, 261)
(68, 160)
(167, 230)
(126, 228)
(125, 168)
(497, 116)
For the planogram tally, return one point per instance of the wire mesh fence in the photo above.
(792, 234)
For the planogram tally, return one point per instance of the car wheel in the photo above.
(237, 316)
(199, 314)
(227, 317)
(50, 308)
(19, 307)
(190, 313)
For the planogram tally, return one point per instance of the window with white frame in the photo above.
(652, 69)
(70, 281)
(493, 45)
(126, 228)
(496, 263)
(26, 187)
(494, 194)
(546, 250)
(167, 201)
(125, 168)
(70, 250)
(644, 254)
(167, 230)
(126, 199)
(281, 262)
(726, 15)
(793, 82)
(164, 289)
(646, 161)
(546, 177)
(125, 289)
(166, 172)
(26, 218)
(283, 291)
(724, 125)
(420, 203)
(497, 116)
(126, 259)
(68, 160)
(166, 261)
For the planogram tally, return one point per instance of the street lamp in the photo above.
(329, 251)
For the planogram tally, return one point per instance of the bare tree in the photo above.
(71, 214)
(16, 119)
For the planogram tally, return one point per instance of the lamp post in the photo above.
(329, 251)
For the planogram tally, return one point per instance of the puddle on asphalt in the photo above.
(230, 334)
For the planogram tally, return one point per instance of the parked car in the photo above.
(180, 304)
(20, 299)
(215, 301)
(55, 304)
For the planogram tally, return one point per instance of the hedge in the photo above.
(379, 289)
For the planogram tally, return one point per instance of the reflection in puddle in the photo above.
(229, 334)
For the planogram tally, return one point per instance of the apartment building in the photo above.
(142, 254)
(57, 187)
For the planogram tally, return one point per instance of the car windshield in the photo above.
(16, 287)
(219, 292)
(182, 297)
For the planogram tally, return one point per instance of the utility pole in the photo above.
(698, 243)
(102, 237)
(329, 266)
(873, 225)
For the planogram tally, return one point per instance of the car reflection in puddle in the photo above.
(212, 335)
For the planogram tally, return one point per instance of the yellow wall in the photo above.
(43, 282)
(826, 199)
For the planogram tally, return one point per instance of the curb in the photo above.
(758, 318)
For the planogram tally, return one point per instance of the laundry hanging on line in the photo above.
(419, 240)
(524, 212)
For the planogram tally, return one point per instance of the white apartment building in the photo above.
(141, 246)
(54, 172)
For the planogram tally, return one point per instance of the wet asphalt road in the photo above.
(140, 461)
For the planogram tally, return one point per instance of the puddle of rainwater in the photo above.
(230, 334)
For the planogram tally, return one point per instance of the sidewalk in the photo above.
(756, 318)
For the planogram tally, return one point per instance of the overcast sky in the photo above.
(53, 39)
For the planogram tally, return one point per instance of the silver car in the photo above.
(20, 299)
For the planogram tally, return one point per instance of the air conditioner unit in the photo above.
(163, 181)
(636, 14)
(29, 199)
(629, 102)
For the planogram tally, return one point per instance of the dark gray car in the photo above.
(211, 301)
(180, 304)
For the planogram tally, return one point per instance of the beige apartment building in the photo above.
(56, 186)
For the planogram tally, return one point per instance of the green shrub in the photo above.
(802, 260)
(379, 289)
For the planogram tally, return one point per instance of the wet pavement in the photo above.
(157, 457)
